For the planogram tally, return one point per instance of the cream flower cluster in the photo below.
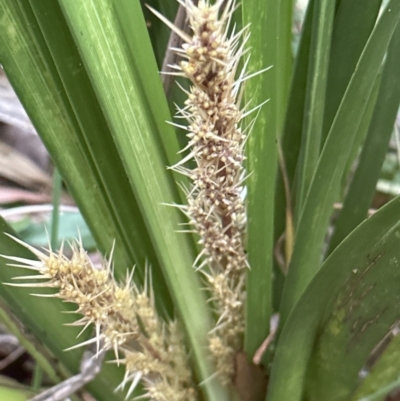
(125, 320)
(216, 143)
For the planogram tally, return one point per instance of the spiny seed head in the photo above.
(98, 297)
(125, 318)
(216, 141)
(215, 203)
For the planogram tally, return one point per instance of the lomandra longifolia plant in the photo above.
(199, 322)
(124, 316)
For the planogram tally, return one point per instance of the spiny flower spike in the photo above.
(216, 209)
(124, 317)
(93, 290)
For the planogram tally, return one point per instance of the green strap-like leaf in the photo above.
(325, 184)
(273, 20)
(354, 21)
(362, 315)
(290, 147)
(315, 98)
(372, 247)
(362, 188)
(293, 125)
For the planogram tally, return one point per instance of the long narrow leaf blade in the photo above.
(325, 184)
(372, 246)
(290, 148)
(362, 188)
(359, 18)
(315, 98)
(361, 316)
(119, 87)
(273, 21)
